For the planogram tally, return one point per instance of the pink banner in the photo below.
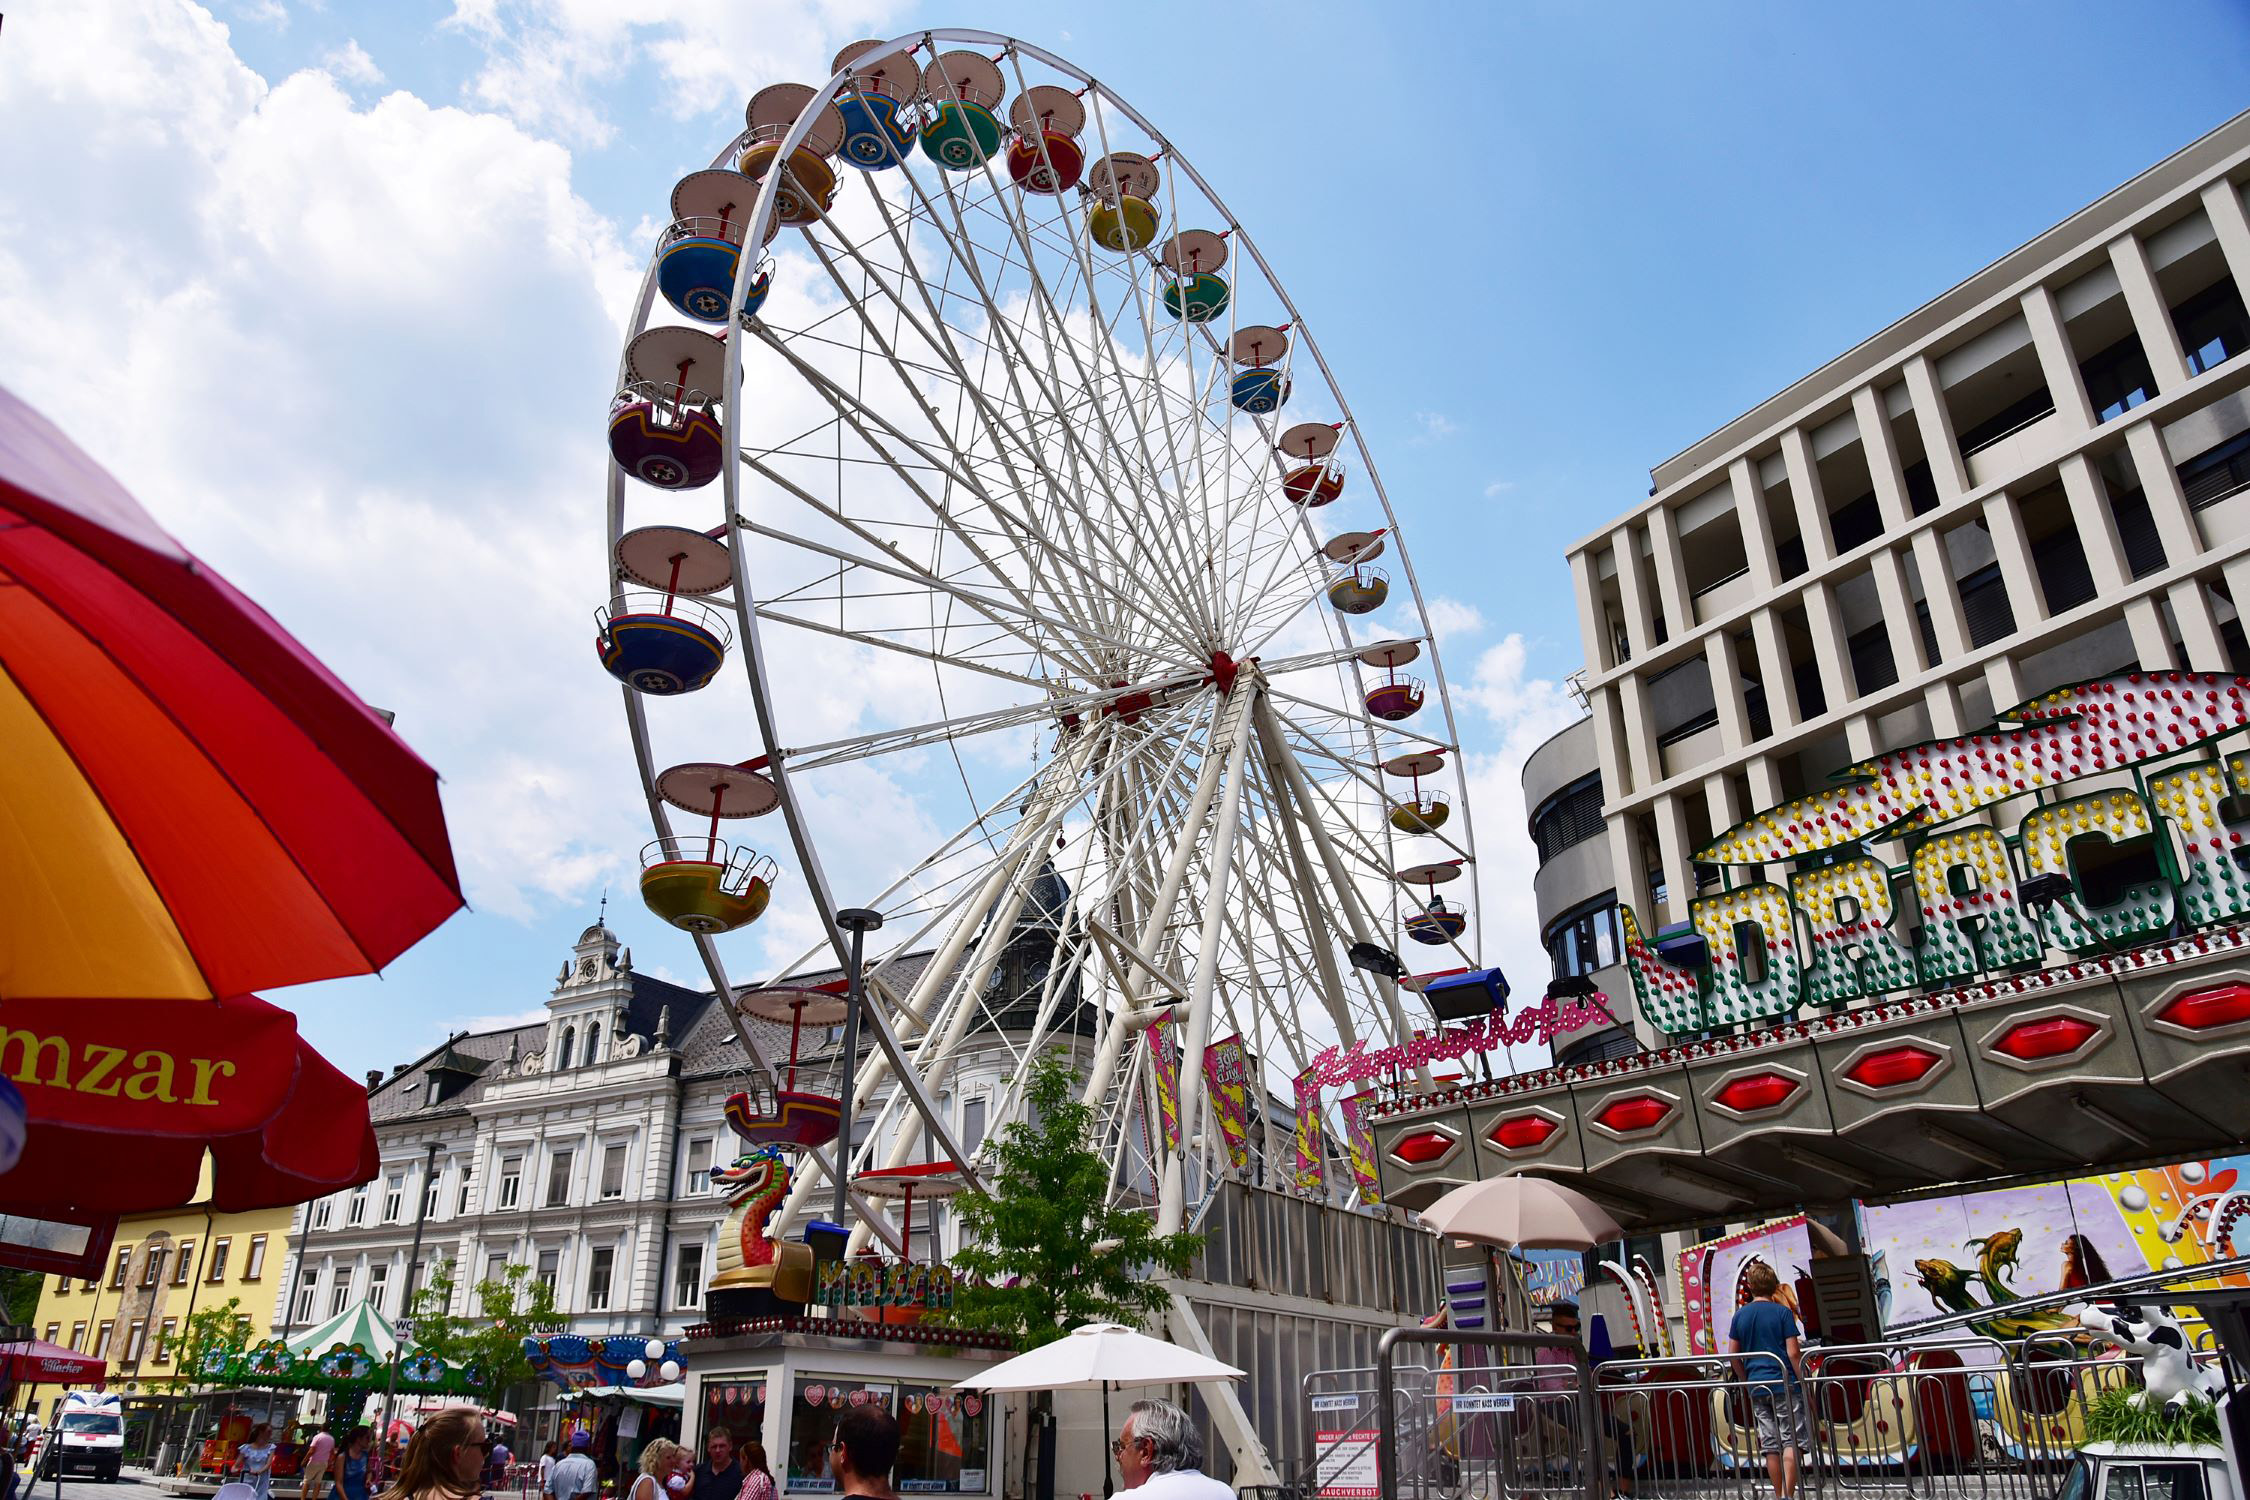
(1226, 1075)
(1312, 1142)
(1359, 1145)
(1164, 1072)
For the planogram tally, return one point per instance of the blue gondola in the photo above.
(1260, 391)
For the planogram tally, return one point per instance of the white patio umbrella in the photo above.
(1522, 1213)
(1100, 1354)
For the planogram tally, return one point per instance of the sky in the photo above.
(337, 290)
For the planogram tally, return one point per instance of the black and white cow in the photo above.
(2168, 1372)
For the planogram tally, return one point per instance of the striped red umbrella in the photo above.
(191, 807)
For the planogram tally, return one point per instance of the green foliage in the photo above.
(1043, 1250)
(2113, 1418)
(487, 1349)
(221, 1328)
(19, 1295)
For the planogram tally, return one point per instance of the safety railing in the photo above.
(1495, 1421)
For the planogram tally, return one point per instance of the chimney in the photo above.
(374, 1079)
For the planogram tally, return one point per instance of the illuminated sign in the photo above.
(2134, 854)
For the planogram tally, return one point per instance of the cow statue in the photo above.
(757, 1277)
(2168, 1373)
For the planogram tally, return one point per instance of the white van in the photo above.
(88, 1436)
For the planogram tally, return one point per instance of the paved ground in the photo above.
(86, 1487)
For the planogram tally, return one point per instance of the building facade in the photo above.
(2040, 477)
(163, 1269)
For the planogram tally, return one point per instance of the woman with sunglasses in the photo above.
(446, 1459)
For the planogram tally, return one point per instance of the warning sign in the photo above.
(1345, 1469)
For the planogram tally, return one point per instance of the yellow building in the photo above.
(162, 1269)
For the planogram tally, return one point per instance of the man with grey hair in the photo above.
(1160, 1456)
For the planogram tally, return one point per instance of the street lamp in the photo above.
(859, 921)
(413, 1264)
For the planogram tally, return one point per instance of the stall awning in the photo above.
(674, 1394)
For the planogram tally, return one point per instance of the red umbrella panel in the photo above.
(194, 806)
(128, 1094)
(37, 1362)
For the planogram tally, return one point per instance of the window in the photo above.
(461, 1198)
(2216, 473)
(2118, 378)
(62, 1286)
(2065, 578)
(429, 1193)
(558, 1177)
(340, 1292)
(496, 1265)
(1856, 524)
(379, 1287)
(183, 1263)
(687, 1284)
(549, 1269)
(1985, 606)
(511, 1180)
(593, 1044)
(323, 1213)
(1586, 939)
(972, 1124)
(699, 1165)
(2213, 326)
(152, 1270)
(78, 1337)
(218, 1271)
(2154, 1482)
(255, 1266)
(52, 1330)
(1872, 664)
(394, 1189)
(308, 1286)
(136, 1338)
(569, 1048)
(117, 1272)
(926, 1236)
(613, 1170)
(355, 1214)
(101, 1341)
(1571, 816)
(601, 1268)
(164, 1336)
(2009, 420)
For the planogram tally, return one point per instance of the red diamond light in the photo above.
(1422, 1147)
(1894, 1067)
(2046, 1038)
(2208, 1010)
(1753, 1092)
(1522, 1132)
(1634, 1112)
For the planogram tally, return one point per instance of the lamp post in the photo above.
(858, 921)
(413, 1264)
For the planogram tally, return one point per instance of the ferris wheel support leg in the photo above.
(1171, 1208)
(1300, 794)
(1228, 728)
(1224, 1402)
(1324, 955)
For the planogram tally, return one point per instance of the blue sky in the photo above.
(336, 288)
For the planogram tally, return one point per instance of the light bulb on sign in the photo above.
(636, 1368)
(670, 1370)
(655, 1348)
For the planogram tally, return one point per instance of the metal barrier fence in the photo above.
(1966, 1418)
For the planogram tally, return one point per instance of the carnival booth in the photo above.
(623, 1389)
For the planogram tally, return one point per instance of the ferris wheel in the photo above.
(960, 414)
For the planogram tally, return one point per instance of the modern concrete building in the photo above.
(2038, 477)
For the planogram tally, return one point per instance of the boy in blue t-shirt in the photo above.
(1765, 1343)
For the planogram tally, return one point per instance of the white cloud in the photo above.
(1450, 618)
(536, 1016)
(1523, 713)
(1431, 426)
(1497, 488)
(351, 64)
(264, 13)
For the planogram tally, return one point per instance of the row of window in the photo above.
(136, 1345)
(179, 1257)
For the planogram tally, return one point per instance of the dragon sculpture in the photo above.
(757, 1276)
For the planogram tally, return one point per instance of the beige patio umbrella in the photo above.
(1522, 1213)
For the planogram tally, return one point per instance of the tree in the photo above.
(222, 1328)
(1043, 1249)
(19, 1295)
(488, 1350)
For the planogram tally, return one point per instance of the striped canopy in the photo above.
(362, 1324)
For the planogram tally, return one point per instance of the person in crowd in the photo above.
(445, 1460)
(255, 1460)
(757, 1479)
(320, 1450)
(719, 1476)
(667, 1472)
(574, 1476)
(548, 1457)
(861, 1456)
(1160, 1456)
(1765, 1343)
(349, 1467)
(496, 1464)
